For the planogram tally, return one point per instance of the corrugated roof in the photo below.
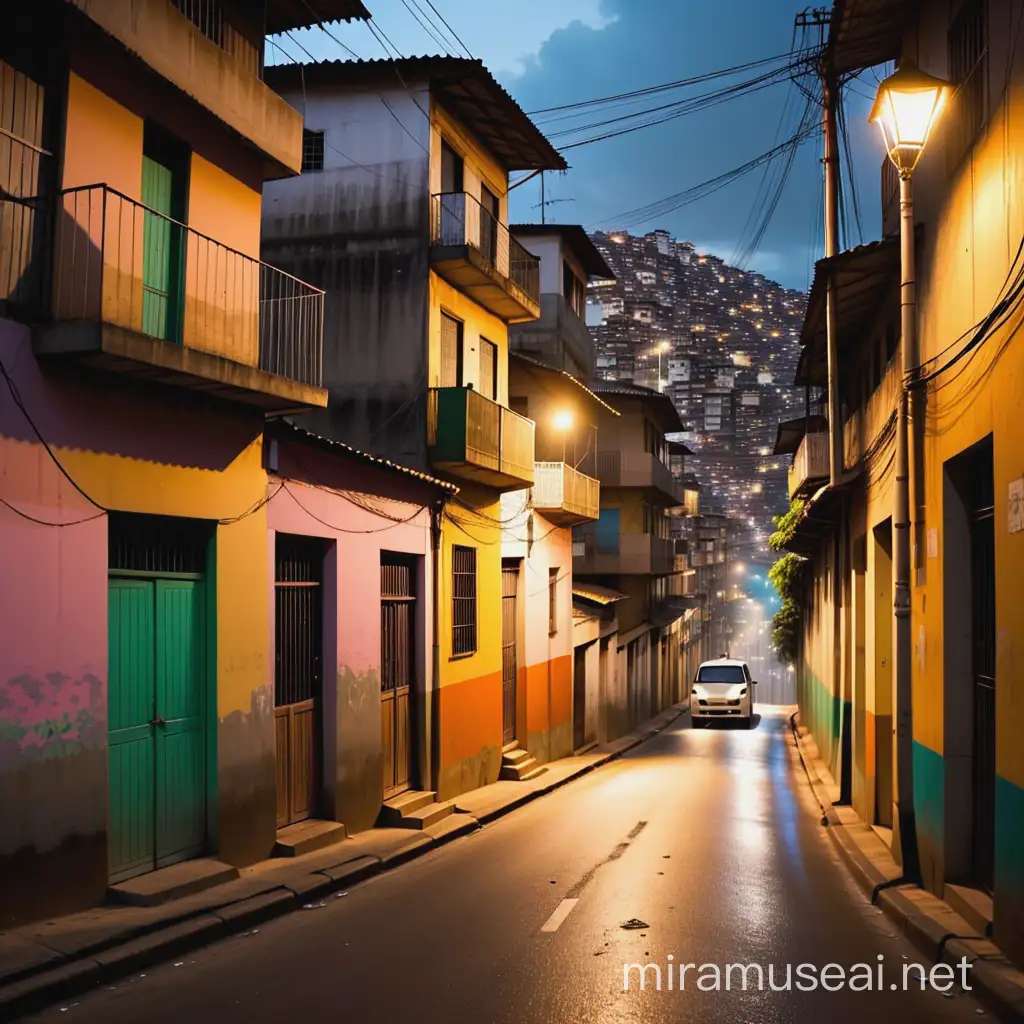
(563, 373)
(578, 241)
(463, 87)
(597, 594)
(863, 276)
(284, 15)
(301, 434)
(864, 33)
(671, 423)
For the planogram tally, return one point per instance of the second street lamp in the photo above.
(906, 108)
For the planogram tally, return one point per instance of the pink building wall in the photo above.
(311, 502)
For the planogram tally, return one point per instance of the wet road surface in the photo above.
(709, 838)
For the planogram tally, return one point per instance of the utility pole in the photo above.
(543, 205)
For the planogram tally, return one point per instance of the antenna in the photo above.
(545, 203)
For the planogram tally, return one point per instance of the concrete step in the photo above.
(184, 879)
(515, 756)
(307, 836)
(974, 906)
(426, 816)
(405, 803)
(518, 771)
(534, 772)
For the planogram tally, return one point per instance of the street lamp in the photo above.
(907, 106)
(563, 424)
(662, 346)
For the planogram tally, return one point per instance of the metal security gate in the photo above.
(397, 669)
(298, 674)
(509, 635)
(983, 610)
(157, 706)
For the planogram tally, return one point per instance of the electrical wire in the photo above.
(452, 31)
(427, 27)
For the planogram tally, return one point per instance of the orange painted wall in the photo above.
(470, 713)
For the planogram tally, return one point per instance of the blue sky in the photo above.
(550, 52)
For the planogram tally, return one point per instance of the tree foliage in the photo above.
(787, 576)
(786, 524)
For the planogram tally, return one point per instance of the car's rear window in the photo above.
(721, 674)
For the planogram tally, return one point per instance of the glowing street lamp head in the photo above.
(906, 108)
(563, 420)
(663, 346)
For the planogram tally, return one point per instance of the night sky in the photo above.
(551, 52)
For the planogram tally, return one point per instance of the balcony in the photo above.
(638, 469)
(140, 294)
(559, 338)
(205, 57)
(475, 438)
(564, 495)
(474, 252)
(810, 464)
(628, 554)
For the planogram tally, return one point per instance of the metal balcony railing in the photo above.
(810, 463)
(619, 468)
(23, 166)
(559, 488)
(457, 218)
(124, 264)
(475, 437)
(625, 553)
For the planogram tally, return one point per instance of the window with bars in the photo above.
(312, 150)
(463, 600)
(574, 290)
(298, 616)
(967, 42)
(552, 601)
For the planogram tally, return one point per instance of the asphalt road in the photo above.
(709, 837)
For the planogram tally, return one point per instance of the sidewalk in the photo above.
(931, 924)
(51, 960)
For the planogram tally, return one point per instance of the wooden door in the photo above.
(156, 700)
(489, 220)
(397, 664)
(298, 676)
(509, 660)
(159, 237)
(579, 698)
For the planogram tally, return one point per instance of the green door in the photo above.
(159, 252)
(157, 735)
(131, 700)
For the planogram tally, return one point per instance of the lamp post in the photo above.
(662, 346)
(906, 108)
(563, 424)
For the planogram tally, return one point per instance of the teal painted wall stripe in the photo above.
(929, 794)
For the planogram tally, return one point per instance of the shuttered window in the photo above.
(451, 351)
(968, 67)
(488, 369)
(463, 600)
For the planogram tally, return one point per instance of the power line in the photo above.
(454, 34)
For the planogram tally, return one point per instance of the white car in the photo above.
(722, 689)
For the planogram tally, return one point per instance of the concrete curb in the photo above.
(928, 922)
(37, 988)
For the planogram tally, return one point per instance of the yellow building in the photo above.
(404, 223)
(966, 804)
(142, 345)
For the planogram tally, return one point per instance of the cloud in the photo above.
(646, 42)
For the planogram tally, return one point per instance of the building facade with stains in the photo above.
(630, 550)
(552, 700)
(965, 807)
(351, 552)
(404, 224)
(143, 345)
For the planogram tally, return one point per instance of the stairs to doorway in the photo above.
(415, 808)
(518, 766)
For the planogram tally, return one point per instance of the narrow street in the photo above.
(709, 836)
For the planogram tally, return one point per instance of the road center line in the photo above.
(562, 911)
